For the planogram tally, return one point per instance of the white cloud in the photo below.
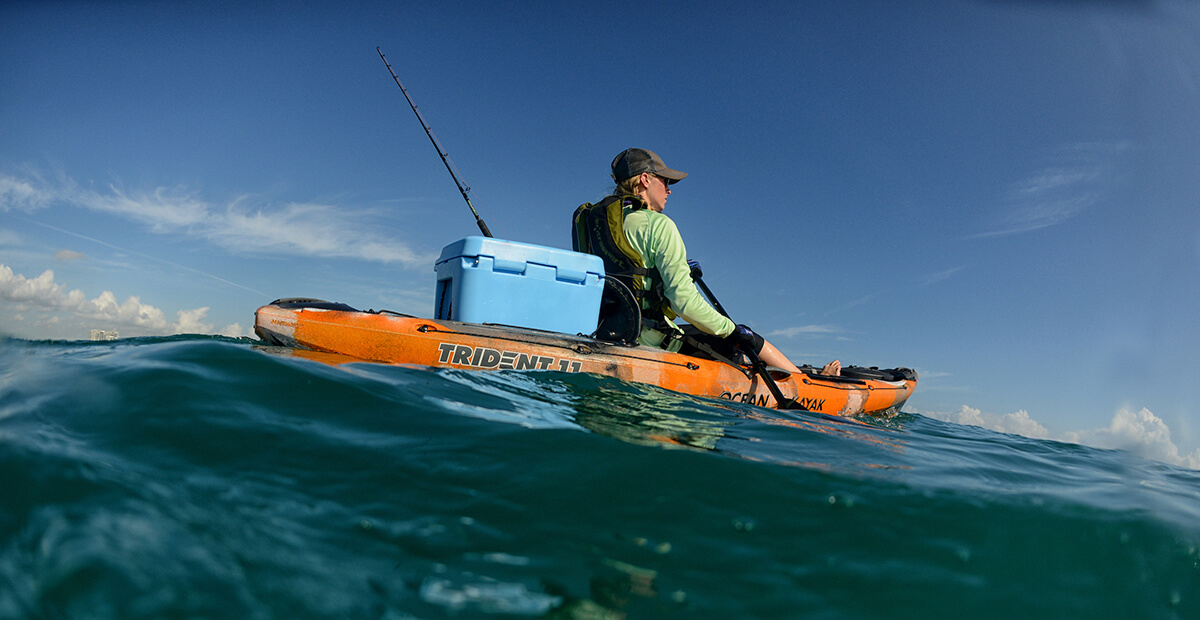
(43, 292)
(1018, 423)
(191, 322)
(131, 312)
(235, 330)
(792, 332)
(1141, 433)
(296, 229)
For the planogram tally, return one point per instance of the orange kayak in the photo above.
(391, 338)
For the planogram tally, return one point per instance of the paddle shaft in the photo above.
(707, 293)
(441, 152)
(755, 361)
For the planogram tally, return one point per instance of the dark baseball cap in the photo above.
(632, 162)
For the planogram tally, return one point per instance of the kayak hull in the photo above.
(324, 327)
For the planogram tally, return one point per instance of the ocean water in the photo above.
(197, 477)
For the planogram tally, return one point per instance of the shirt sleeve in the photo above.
(670, 258)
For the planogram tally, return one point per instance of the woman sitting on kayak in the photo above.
(643, 185)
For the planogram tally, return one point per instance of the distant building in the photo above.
(100, 334)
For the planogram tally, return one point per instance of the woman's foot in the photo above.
(832, 369)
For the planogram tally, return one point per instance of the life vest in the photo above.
(600, 229)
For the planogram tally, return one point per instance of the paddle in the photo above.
(755, 363)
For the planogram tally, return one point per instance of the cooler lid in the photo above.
(515, 251)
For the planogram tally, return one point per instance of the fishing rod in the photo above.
(441, 152)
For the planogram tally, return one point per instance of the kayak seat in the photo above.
(620, 314)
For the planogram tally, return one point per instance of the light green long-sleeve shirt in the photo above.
(655, 236)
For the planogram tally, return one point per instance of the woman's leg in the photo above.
(773, 357)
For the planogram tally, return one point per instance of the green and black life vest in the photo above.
(600, 229)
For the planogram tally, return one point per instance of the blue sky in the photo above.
(1002, 195)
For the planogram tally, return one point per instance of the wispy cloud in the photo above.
(241, 226)
(1141, 432)
(934, 278)
(23, 194)
(69, 255)
(161, 210)
(1078, 177)
(147, 256)
(44, 293)
(9, 238)
(310, 229)
(854, 303)
(803, 330)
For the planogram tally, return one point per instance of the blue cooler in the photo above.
(487, 280)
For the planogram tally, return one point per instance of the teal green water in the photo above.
(210, 478)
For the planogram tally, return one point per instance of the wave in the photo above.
(214, 477)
